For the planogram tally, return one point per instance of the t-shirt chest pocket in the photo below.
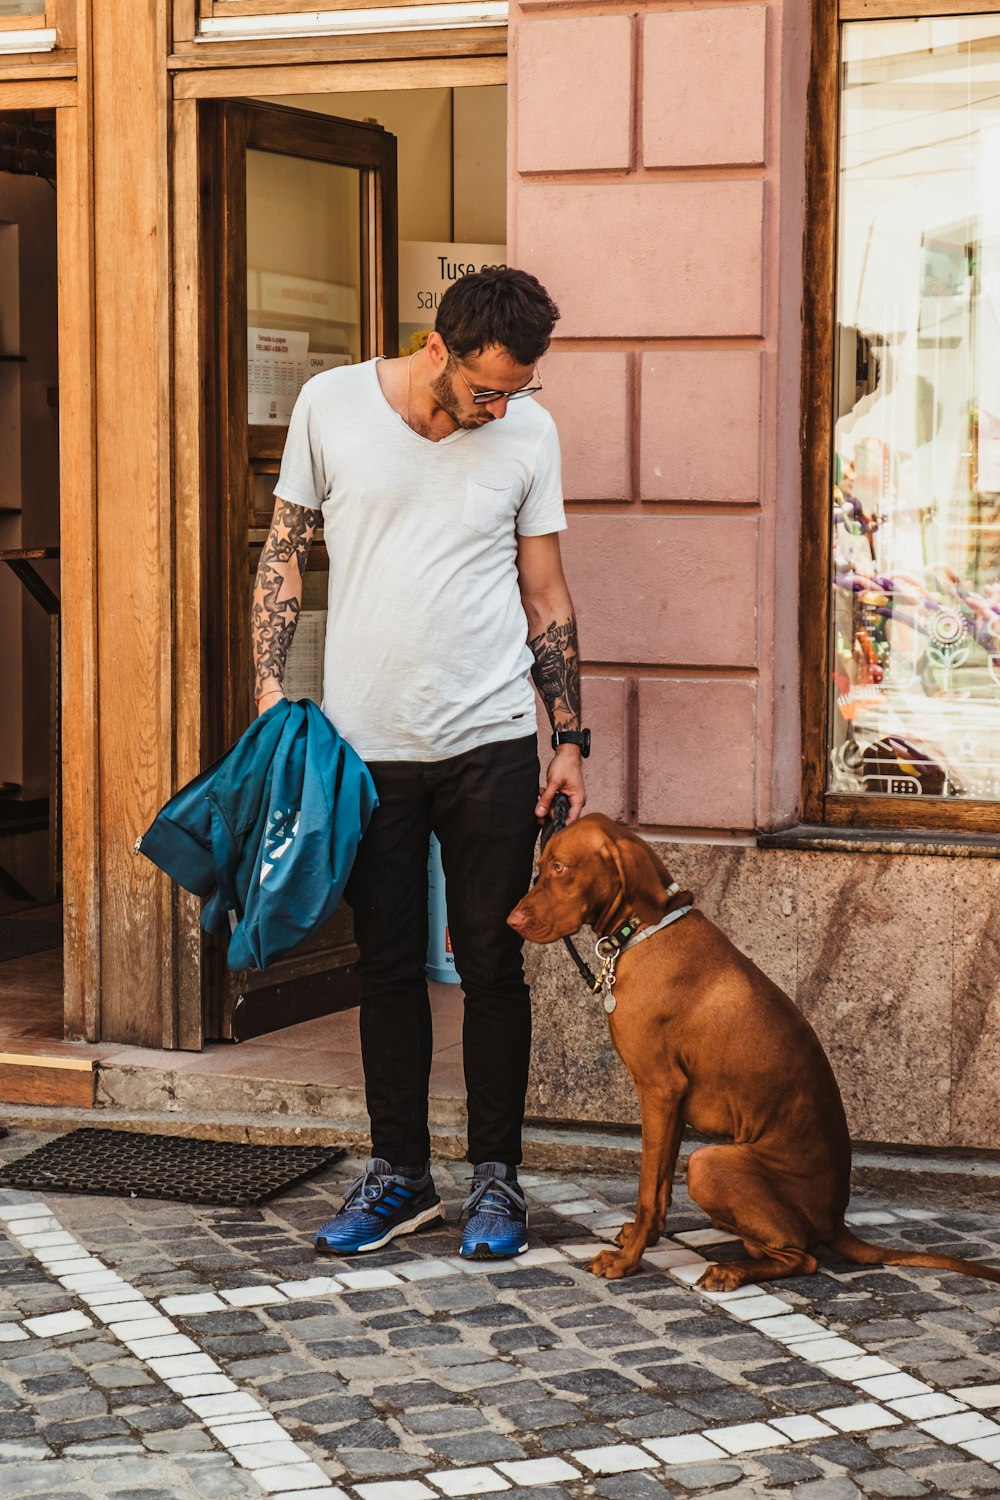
(490, 508)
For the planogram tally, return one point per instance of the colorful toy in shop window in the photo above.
(847, 508)
(857, 678)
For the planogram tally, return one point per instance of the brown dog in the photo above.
(710, 1042)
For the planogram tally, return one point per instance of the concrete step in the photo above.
(163, 1090)
(963, 1179)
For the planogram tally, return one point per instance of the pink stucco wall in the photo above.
(656, 188)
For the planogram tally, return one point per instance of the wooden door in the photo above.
(303, 261)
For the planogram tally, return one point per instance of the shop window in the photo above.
(913, 667)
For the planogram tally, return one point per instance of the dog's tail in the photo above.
(864, 1254)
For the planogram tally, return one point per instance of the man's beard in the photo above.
(444, 395)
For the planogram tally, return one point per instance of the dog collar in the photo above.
(611, 947)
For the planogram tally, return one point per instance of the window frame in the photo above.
(212, 9)
(48, 15)
(820, 807)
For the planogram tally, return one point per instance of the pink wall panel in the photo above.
(680, 590)
(700, 425)
(587, 395)
(651, 259)
(663, 206)
(696, 753)
(704, 96)
(574, 94)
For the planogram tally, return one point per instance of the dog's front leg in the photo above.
(662, 1126)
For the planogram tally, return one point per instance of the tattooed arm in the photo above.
(553, 641)
(277, 596)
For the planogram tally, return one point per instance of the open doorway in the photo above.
(345, 216)
(31, 987)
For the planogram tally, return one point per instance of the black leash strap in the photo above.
(554, 823)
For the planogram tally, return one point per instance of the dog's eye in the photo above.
(557, 868)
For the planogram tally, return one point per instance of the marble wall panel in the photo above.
(875, 980)
(576, 1073)
(752, 894)
(975, 1110)
(894, 959)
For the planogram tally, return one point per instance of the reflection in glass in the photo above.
(23, 8)
(303, 276)
(915, 653)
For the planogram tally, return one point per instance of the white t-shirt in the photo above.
(426, 638)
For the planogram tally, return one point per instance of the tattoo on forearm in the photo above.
(282, 563)
(557, 672)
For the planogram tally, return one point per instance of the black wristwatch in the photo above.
(579, 737)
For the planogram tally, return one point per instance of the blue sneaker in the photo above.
(497, 1224)
(378, 1207)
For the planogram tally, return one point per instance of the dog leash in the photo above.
(610, 948)
(554, 823)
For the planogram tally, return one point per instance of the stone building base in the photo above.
(894, 958)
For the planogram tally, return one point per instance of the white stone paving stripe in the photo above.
(471, 1481)
(256, 1442)
(260, 1445)
(253, 1296)
(617, 1458)
(864, 1417)
(984, 1397)
(747, 1437)
(690, 1448)
(529, 1471)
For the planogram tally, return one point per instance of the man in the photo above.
(439, 492)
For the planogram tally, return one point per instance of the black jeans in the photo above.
(481, 806)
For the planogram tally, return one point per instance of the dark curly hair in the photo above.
(503, 306)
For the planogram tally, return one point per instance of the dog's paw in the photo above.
(613, 1265)
(624, 1234)
(721, 1278)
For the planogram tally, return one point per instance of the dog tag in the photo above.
(609, 1003)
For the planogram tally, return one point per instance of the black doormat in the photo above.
(124, 1164)
(22, 935)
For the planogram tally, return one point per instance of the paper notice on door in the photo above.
(278, 365)
(275, 372)
(304, 667)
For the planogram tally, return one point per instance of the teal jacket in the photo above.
(268, 833)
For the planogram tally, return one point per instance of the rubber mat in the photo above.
(124, 1164)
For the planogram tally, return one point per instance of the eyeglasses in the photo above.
(486, 398)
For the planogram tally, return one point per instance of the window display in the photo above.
(915, 649)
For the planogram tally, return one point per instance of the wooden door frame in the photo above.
(78, 541)
(199, 666)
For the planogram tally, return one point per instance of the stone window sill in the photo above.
(828, 840)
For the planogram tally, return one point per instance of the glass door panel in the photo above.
(305, 297)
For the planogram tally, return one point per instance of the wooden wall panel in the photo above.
(133, 522)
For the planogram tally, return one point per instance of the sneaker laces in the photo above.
(492, 1195)
(372, 1185)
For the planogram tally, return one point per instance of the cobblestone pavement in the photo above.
(159, 1352)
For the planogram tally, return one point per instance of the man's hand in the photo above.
(565, 774)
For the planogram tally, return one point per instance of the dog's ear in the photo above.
(644, 881)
